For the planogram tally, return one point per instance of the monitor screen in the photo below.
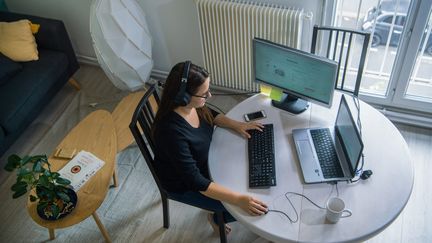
(347, 132)
(302, 76)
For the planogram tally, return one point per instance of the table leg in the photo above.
(115, 178)
(101, 227)
(74, 84)
(51, 234)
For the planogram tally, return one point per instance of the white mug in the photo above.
(335, 210)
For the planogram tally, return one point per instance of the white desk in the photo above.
(375, 203)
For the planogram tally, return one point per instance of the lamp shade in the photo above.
(122, 42)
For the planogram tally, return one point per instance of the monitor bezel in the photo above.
(344, 103)
(303, 53)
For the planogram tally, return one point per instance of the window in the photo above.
(398, 70)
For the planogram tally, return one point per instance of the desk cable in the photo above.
(304, 196)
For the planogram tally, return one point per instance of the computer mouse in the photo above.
(366, 174)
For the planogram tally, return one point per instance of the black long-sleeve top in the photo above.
(181, 156)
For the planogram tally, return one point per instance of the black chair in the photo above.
(140, 127)
(333, 39)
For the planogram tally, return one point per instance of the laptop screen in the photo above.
(346, 131)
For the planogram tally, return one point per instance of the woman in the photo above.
(182, 135)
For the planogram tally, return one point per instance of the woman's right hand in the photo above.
(252, 205)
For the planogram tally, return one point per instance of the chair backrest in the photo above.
(140, 126)
(337, 45)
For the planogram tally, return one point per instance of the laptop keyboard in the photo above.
(261, 157)
(326, 153)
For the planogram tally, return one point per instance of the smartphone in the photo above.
(255, 115)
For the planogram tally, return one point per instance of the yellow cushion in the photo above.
(17, 41)
(34, 28)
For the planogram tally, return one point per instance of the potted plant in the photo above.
(54, 197)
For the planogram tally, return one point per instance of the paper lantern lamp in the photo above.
(122, 42)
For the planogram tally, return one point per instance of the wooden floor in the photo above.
(132, 212)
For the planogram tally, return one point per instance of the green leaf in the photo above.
(19, 193)
(20, 185)
(25, 160)
(13, 162)
(55, 175)
(63, 181)
(55, 210)
(47, 173)
(23, 172)
(27, 178)
(42, 192)
(37, 167)
(42, 205)
(43, 181)
(9, 167)
(33, 198)
(51, 187)
(63, 196)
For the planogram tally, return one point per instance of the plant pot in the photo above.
(65, 208)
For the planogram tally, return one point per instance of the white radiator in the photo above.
(227, 29)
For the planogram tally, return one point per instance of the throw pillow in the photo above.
(17, 41)
(34, 28)
(8, 68)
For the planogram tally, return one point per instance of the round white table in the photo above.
(375, 203)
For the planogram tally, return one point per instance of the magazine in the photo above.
(81, 168)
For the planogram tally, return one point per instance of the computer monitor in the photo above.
(301, 75)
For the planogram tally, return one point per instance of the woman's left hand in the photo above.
(243, 127)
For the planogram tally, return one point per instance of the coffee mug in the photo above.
(336, 209)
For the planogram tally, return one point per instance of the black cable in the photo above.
(292, 205)
(286, 215)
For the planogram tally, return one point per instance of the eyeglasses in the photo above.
(205, 96)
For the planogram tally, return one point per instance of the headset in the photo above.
(183, 97)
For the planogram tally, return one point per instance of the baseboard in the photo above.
(159, 75)
(156, 74)
(87, 60)
(414, 119)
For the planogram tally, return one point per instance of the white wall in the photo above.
(74, 13)
(172, 23)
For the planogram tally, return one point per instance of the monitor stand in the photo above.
(291, 103)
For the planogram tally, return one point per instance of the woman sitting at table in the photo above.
(182, 132)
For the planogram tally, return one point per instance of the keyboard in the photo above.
(261, 157)
(326, 153)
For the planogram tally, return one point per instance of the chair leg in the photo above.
(222, 233)
(165, 207)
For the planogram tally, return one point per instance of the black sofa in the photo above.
(26, 92)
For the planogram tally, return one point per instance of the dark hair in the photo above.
(197, 76)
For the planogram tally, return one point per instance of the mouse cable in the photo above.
(292, 205)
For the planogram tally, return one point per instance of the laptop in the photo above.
(330, 154)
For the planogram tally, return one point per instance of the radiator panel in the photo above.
(227, 29)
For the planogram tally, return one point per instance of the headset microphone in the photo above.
(183, 97)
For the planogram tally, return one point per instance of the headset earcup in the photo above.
(183, 97)
(186, 98)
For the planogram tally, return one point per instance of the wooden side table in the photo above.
(96, 134)
(103, 134)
